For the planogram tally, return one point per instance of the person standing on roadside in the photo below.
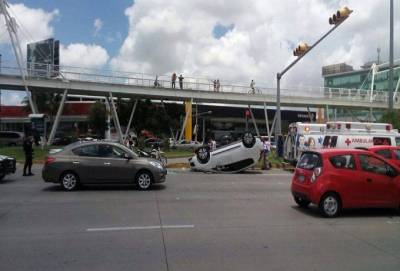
(28, 151)
(181, 81)
(173, 80)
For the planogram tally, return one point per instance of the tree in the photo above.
(392, 117)
(97, 118)
(47, 103)
(150, 116)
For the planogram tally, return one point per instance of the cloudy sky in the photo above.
(236, 40)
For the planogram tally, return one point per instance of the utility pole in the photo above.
(391, 59)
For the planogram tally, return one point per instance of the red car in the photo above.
(391, 153)
(334, 179)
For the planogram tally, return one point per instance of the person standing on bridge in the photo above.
(252, 85)
(173, 79)
(181, 81)
(218, 85)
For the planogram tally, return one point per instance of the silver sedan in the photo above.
(100, 163)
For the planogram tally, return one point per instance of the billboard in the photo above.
(43, 58)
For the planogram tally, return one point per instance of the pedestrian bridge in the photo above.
(90, 82)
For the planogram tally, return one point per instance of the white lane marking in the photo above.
(393, 222)
(142, 228)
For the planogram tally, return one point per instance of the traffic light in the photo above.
(301, 49)
(340, 15)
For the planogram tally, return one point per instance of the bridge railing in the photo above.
(68, 73)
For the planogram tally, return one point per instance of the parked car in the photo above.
(7, 165)
(185, 145)
(390, 153)
(334, 179)
(234, 157)
(10, 138)
(101, 162)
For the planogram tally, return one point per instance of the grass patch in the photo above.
(18, 153)
(178, 153)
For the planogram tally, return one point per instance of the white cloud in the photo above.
(98, 24)
(83, 55)
(34, 24)
(177, 36)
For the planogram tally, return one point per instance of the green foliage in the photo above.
(392, 117)
(97, 118)
(150, 116)
(47, 103)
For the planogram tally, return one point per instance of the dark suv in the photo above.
(7, 166)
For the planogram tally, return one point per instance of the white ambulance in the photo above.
(350, 135)
(301, 137)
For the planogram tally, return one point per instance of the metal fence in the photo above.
(68, 73)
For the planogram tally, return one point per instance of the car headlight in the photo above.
(156, 164)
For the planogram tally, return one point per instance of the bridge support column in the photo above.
(254, 121)
(130, 119)
(185, 121)
(107, 133)
(273, 125)
(327, 113)
(309, 114)
(115, 118)
(58, 117)
(267, 122)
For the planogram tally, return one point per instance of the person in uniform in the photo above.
(28, 151)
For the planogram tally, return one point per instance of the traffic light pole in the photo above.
(278, 128)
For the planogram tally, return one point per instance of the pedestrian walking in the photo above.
(181, 81)
(28, 151)
(218, 85)
(252, 87)
(173, 80)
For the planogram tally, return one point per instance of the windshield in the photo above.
(309, 160)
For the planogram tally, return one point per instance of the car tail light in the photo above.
(49, 160)
(316, 173)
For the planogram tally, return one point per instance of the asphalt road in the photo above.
(209, 222)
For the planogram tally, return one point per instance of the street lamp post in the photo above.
(337, 19)
(391, 59)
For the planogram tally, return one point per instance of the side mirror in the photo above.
(127, 156)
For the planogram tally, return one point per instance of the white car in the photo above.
(234, 157)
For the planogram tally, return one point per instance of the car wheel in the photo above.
(69, 181)
(203, 155)
(144, 179)
(248, 140)
(330, 205)
(302, 202)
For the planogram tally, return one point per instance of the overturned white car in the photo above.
(232, 158)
